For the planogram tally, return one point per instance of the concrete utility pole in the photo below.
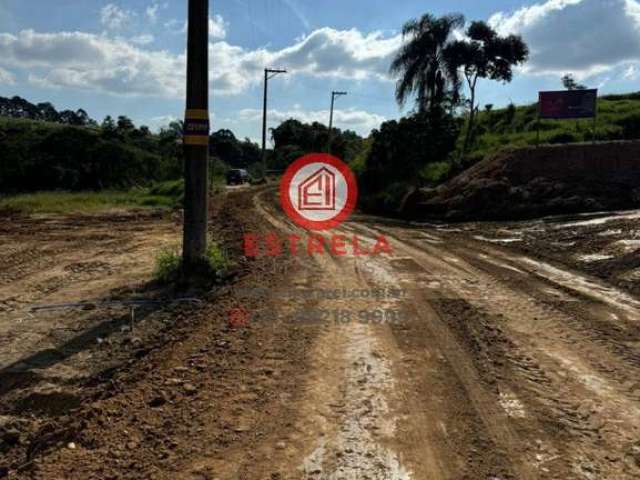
(269, 73)
(196, 136)
(333, 100)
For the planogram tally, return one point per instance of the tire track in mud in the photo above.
(576, 390)
(449, 426)
(494, 438)
(346, 425)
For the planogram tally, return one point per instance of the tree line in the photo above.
(46, 149)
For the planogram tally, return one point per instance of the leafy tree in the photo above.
(125, 125)
(81, 117)
(400, 151)
(18, 107)
(421, 64)
(251, 152)
(293, 138)
(483, 54)
(108, 127)
(570, 83)
(48, 112)
(224, 145)
(177, 127)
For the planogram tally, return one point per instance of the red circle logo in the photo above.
(318, 191)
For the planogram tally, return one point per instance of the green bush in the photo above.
(435, 173)
(170, 188)
(630, 125)
(168, 265)
(217, 261)
(562, 137)
(215, 268)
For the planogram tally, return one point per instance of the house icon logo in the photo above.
(318, 191)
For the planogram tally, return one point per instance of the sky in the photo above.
(117, 57)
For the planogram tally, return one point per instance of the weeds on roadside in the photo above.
(167, 265)
(215, 267)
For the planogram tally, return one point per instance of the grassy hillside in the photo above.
(618, 119)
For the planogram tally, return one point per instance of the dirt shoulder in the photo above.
(100, 401)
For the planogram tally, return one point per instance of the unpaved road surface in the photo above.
(462, 354)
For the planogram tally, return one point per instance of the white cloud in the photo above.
(340, 53)
(352, 119)
(176, 26)
(92, 62)
(114, 65)
(217, 27)
(155, 124)
(631, 73)
(584, 37)
(115, 18)
(143, 39)
(6, 77)
(152, 13)
(326, 52)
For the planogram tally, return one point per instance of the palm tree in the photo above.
(421, 64)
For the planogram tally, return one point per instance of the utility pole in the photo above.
(333, 99)
(269, 73)
(196, 136)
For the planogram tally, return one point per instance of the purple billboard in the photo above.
(568, 104)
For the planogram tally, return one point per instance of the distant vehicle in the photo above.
(237, 176)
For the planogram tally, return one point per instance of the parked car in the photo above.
(237, 176)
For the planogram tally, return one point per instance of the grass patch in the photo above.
(215, 268)
(161, 195)
(435, 173)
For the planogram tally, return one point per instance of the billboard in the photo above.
(568, 104)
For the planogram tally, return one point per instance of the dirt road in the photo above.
(500, 366)
(453, 357)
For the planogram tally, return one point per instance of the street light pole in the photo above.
(333, 99)
(269, 73)
(196, 136)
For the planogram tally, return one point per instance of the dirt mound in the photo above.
(535, 181)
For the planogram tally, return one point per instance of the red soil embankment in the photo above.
(536, 181)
